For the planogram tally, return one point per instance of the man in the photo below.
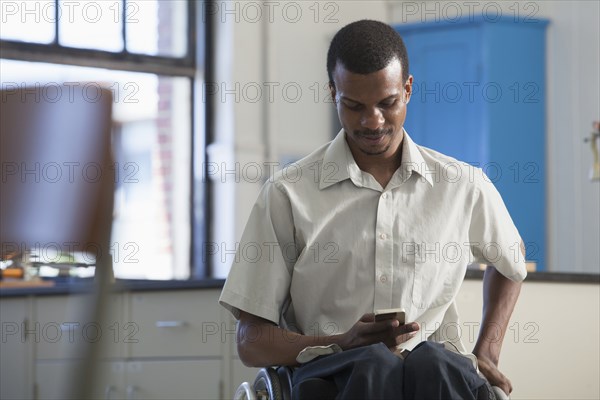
(373, 221)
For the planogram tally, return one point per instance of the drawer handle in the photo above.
(108, 392)
(131, 389)
(69, 326)
(171, 324)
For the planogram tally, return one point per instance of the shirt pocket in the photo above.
(433, 278)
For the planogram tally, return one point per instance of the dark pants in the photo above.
(374, 372)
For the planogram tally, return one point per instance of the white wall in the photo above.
(285, 49)
(573, 103)
(551, 350)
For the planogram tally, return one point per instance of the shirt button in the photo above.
(383, 278)
(384, 195)
(383, 236)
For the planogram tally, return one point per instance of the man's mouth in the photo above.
(373, 138)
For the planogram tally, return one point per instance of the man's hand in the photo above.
(366, 331)
(499, 298)
(261, 343)
(490, 370)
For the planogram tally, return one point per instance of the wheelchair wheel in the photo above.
(267, 385)
(285, 381)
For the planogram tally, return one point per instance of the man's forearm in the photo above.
(262, 344)
(500, 295)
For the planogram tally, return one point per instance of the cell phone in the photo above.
(391, 313)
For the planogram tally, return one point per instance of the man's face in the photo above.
(372, 108)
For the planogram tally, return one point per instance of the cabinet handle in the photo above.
(171, 324)
(68, 326)
(131, 389)
(25, 325)
(108, 392)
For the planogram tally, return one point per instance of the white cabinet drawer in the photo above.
(54, 380)
(176, 324)
(180, 379)
(173, 379)
(15, 349)
(63, 325)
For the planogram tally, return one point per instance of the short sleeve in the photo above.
(260, 276)
(493, 237)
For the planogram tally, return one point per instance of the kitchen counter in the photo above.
(120, 285)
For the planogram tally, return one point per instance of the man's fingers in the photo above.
(369, 317)
(388, 332)
(381, 326)
(405, 337)
(411, 327)
(495, 377)
(506, 388)
(509, 386)
(405, 332)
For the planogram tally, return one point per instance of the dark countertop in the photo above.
(556, 277)
(122, 285)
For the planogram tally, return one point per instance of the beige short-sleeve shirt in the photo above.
(325, 243)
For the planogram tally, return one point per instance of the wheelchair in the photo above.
(270, 384)
(275, 383)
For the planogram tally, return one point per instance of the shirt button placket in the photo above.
(383, 252)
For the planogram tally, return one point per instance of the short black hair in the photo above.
(366, 46)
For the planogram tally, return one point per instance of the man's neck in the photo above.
(382, 166)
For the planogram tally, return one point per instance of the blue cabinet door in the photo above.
(479, 96)
(444, 113)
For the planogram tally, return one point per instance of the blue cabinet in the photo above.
(479, 96)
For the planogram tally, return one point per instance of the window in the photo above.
(146, 53)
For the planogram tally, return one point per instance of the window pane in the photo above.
(91, 24)
(28, 21)
(157, 27)
(151, 227)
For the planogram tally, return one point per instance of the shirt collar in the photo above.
(412, 160)
(339, 164)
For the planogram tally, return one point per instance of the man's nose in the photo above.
(372, 119)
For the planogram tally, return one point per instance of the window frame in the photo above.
(194, 65)
(124, 60)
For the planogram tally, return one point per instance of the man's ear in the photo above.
(408, 85)
(332, 92)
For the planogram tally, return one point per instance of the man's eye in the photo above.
(387, 104)
(353, 106)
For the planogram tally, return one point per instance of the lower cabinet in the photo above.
(174, 324)
(164, 344)
(16, 349)
(54, 380)
(151, 380)
(190, 379)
